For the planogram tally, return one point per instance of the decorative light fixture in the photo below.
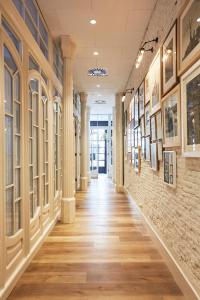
(98, 72)
(93, 22)
(198, 20)
(126, 91)
(96, 53)
(98, 85)
(142, 50)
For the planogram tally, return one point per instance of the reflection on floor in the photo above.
(105, 254)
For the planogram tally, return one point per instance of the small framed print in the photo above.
(160, 150)
(155, 84)
(147, 119)
(190, 91)
(189, 35)
(147, 149)
(154, 157)
(137, 160)
(143, 147)
(133, 157)
(147, 89)
(159, 133)
(171, 118)
(153, 128)
(136, 109)
(136, 137)
(169, 158)
(169, 61)
(139, 136)
(142, 126)
(141, 99)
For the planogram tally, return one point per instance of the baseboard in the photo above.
(181, 279)
(11, 282)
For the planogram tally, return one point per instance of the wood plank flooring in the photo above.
(106, 254)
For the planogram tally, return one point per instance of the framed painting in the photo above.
(137, 160)
(133, 157)
(136, 137)
(155, 84)
(169, 61)
(189, 34)
(129, 138)
(141, 99)
(190, 91)
(143, 147)
(171, 118)
(136, 109)
(139, 136)
(169, 158)
(147, 119)
(159, 133)
(153, 128)
(154, 157)
(142, 126)
(160, 150)
(147, 89)
(147, 148)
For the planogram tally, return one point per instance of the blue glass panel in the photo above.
(43, 31)
(9, 60)
(12, 35)
(19, 6)
(30, 25)
(32, 10)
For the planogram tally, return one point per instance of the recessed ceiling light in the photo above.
(98, 85)
(96, 53)
(93, 21)
(198, 20)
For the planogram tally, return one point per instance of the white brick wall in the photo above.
(174, 213)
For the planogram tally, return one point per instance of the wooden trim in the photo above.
(182, 280)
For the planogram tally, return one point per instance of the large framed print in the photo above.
(171, 118)
(136, 109)
(141, 99)
(169, 158)
(153, 128)
(147, 119)
(155, 84)
(142, 126)
(159, 131)
(137, 160)
(189, 34)
(169, 61)
(190, 91)
(154, 157)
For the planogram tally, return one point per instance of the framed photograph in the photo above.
(143, 147)
(142, 126)
(136, 137)
(159, 133)
(147, 89)
(147, 119)
(160, 150)
(147, 148)
(136, 109)
(155, 85)
(169, 158)
(169, 61)
(153, 128)
(137, 160)
(189, 34)
(171, 118)
(133, 157)
(154, 157)
(190, 91)
(141, 99)
(139, 136)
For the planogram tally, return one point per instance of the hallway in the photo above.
(106, 254)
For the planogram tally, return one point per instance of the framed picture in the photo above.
(159, 133)
(155, 86)
(137, 160)
(147, 119)
(141, 99)
(160, 150)
(153, 128)
(154, 157)
(132, 108)
(147, 89)
(143, 147)
(190, 91)
(169, 158)
(139, 136)
(136, 137)
(133, 157)
(136, 109)
(132, 135)
(142, 126)
(129, 138)
(189, 34)
(169, 61)
(147, 148)
(171, 118)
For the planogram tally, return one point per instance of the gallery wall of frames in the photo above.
(162, 136)
(30, 138)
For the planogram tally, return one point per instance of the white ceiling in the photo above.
(117, 37)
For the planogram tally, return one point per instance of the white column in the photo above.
(88, 142)
(84, 142)
(118, 143)
(68, 197)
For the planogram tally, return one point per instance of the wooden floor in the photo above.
(105, 254)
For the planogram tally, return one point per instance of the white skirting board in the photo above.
(181, 279)
(11, 282)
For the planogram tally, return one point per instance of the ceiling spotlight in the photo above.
(98, 85)
(123, 97)
(93, 21)
(198, 20)
(96, 53)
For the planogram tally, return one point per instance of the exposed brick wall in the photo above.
(175, 214)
